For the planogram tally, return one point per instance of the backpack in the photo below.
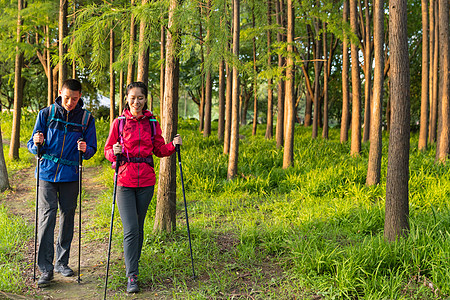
(84, 121)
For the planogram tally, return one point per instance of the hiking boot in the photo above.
(64, 270)
(45, 279)
(132, 286)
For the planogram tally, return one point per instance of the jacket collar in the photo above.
(146, 114)
(58, 103)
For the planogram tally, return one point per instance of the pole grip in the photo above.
(80, 153)
(39, 146)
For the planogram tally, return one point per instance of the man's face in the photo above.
(69, 98)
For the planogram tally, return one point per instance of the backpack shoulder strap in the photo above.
(152, 120)
(121, 119)
(51, 115)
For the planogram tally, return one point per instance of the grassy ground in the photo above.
(314, 231)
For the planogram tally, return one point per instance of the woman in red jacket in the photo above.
(136, 136)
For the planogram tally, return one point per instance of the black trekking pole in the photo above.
(38, 157)
(80, 177)
(112, 220)
(177, 147)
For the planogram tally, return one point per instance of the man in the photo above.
(61, 127)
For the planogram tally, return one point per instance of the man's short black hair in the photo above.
(71, 84)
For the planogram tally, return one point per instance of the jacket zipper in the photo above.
(62, 149)
(139, 129)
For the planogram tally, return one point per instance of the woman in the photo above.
(136, 137)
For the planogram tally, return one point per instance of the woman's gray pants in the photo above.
(133, 204)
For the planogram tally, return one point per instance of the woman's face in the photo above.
(136, 100)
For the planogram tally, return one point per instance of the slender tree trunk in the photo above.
(208, 79)
(345, 119)
(121, 77)
(367, 71)
(317, 69)
(162, 69)
(269, 127)
(18, 91)
(130, 71)
(434, 99)
(112, 79)
(165, 215)
(280, 104)
(228, 108)
(288, 155)
(431, 73)
(375, 151)
(4, 182)
(255, 74)
(74, 64)
(425, 77)
(143, 59)
(356, 86)
(325, 84)
(201, 110)
(234, 138)
(50, 96)
(63, 7)
(444, 121)
(397, 210)
(221, 126)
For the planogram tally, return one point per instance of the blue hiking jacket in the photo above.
(59, 162)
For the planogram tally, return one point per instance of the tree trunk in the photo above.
(356, 86)
(228, 108)
(434, 99)
(201, 109)
(234, 137)
(317, 68)
(397, 211)
(18, 91)
(345, 119)
(288, 155)
(143, 59)
(255, 74)
(375, 151)
(367, 75)
(50, 97)
(221, 126)
(208, 80)
(442, 148)
(112, 79)
(269, 127)
(63, 29)
(325, 84)
(4, 182)
(165, 215)
(162, 70)
(425, 80)
(280, 104)
(130, 72)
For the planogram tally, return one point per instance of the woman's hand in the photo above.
(117, 148)
(177, 140)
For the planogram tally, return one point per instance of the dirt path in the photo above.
(21, 202)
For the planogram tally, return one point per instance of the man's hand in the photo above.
(117, 148)
(38, 138)
(82, 146)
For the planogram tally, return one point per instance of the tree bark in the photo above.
(143, 59)
(112, 79)
(165, 215)
(201, 110)
(50, 97)
(443, 144)
(4, 182)
(325, 84)
(367, 74)
(375, 151)
(221, 126)
(228, 108)
(317, 69)
(255, 74)
(63, 29)
(397, 211)
(280, 103)
(356, 86)
(288, 155)
(162, 69)
(130, 71)
(345, 119)
(234, 138)
(208, 79)
(425, 80)
(435, 86)
(269, 127)
(18, 91)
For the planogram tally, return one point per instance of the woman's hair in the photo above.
(144, 90)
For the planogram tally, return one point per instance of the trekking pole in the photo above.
(37, 206)
(177, 147)
(80, 177)
(112, 220)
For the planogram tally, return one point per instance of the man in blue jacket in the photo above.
(61, 126)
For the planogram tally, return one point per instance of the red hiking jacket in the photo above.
(137, 142)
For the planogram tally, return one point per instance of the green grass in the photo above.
(312, 230)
